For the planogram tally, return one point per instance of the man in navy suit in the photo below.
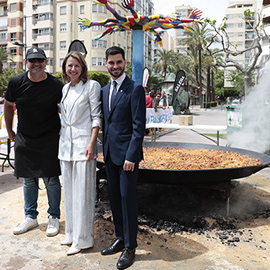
(124, 123)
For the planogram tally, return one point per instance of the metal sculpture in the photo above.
(138, 23)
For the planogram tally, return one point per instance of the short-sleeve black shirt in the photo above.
(36, 104)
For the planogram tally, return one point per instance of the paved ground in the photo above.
(34, 250)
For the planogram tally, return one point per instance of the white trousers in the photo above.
(79, 182)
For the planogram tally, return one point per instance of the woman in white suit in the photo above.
(80, 123)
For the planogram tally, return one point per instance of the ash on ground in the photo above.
(178, 209)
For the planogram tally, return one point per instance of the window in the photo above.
(46, 46)
(98, 61)
(181, 13)
(13, 22)
(229, 16)
(3, 36)
(240, 15)
(13, 65)
(13, 37)
(63, 44)
(3, 23)
(230, 34)
(45, 16)
(44, 31)
(240, 25)
(230, 25)
(98, 8)
(63, 27)
(99, 44)
(81, 9)
(240, 34)
(98, 27)
(249, 35)
(13, 7)
(45, 2)
(3, 10)
(63, 10)
(13, 51)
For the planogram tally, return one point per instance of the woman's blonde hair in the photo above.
(79, 57)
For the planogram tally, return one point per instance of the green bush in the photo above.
(58, 75)
(100, 77)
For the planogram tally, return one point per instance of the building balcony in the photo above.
(266, 12)
(266, 2)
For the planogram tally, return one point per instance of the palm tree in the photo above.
(185, 63)
(164, 63)
(4, 55)
(197, 37)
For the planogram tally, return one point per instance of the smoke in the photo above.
(255, 109)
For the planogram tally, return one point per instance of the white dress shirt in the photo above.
(119, 82)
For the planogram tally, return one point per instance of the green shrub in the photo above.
(100, 77)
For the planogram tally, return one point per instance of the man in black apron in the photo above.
(36, 95)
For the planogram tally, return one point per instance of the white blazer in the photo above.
(77, 124)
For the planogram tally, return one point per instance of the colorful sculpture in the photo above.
(139, 22)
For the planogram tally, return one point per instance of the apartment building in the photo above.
(183, 11)
(240, 33)
(265, 15)
(53, 24)
(3, 25)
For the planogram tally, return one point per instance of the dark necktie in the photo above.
(114, 92)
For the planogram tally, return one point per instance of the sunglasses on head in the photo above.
(39, 60)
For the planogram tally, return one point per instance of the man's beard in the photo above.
(117, 76)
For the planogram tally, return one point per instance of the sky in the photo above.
(214, 9)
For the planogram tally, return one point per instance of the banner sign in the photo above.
(145, 77)
(180, 77)
(161, 116)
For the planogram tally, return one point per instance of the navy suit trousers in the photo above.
(122, 192)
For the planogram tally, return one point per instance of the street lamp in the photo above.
(17, 43)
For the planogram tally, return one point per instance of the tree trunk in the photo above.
(200, 78)
(208, 95)
(212, 86)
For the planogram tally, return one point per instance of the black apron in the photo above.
(36, 156)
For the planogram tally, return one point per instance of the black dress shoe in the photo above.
(115, 247)
(126, 259)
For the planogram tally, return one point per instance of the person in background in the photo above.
(149, 99)
(156, 102)
(80, 123)
(164, 100)
(124, 122)
(36, 94)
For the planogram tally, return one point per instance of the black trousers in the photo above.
(122, 194)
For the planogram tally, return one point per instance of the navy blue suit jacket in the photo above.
(124, 125)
